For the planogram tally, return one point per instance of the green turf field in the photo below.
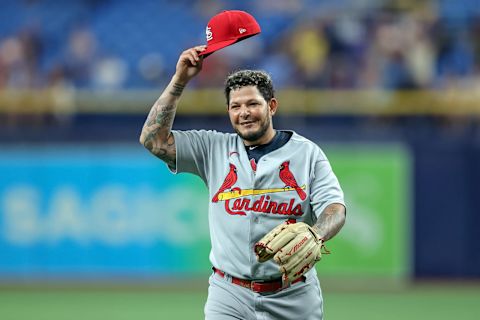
(438, 302)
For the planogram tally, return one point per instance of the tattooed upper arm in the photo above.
(156, 133)
(164, 151)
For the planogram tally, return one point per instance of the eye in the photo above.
(234, 106)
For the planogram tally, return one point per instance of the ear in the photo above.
(272, 105)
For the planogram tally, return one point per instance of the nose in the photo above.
(244, 111)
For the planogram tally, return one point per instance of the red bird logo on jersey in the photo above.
(287, 177)
(230, 180)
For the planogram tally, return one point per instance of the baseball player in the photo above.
(274, 199)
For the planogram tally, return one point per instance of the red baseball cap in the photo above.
(229, 27)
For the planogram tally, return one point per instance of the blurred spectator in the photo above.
(62, 96)
(3, 71)
(19, 55)
(456, 58)
(390, 42)
(420, 53)
(208, 8)
(80, 56)
(348, 41)
(279, 64)
(214, 71)
(309, 48)
(151, 69)
(109, 73)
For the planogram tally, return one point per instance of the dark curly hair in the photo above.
(243, 78)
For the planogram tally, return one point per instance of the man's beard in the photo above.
(255, 135)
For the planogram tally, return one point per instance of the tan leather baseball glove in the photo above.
(295, 247)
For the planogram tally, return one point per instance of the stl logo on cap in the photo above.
(229, 27)
(208, 33)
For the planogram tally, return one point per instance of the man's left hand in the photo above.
(295, 247)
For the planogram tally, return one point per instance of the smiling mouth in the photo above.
(247, 123)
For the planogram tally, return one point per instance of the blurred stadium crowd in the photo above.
(364, 44)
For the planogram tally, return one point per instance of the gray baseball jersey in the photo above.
(247, 200)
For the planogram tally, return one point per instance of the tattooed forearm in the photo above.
(156, 135)
(331, 221)
(160, 114)
(159, 121)
(177, 89)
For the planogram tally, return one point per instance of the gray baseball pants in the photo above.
(228, 301)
